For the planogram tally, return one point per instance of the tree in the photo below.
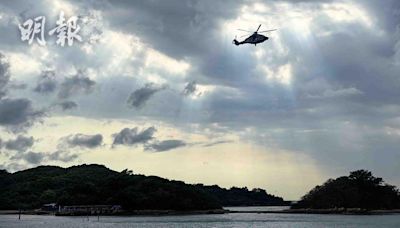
(358, 190)
(48, 196)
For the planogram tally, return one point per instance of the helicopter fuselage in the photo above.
(255, 39)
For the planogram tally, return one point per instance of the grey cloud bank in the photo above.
(75, 85)
(21, 143)
(160, 146)
(139, 97)
(82, 140)
(46, 83)
(133, 136)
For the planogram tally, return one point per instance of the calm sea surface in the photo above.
(224, 220)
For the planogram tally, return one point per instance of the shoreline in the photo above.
(121, 213)
(349, 211)
(340, 211)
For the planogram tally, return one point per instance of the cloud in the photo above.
(133, 136)
(67, 105)
(63, 156)
(330, 93)
(165, 145)
(217, 142)
(24, 159)
(17, 85)
(18, 113)
(30, 157)
(4, 73)
(81, 140)
(12, 166)
(75, 85)
(21, 143)
(36, 158)
(139, 97)
(33, 157)
(190, 88)
(162, 24)
(46, 83)
(146, 138)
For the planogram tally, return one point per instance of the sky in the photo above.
(158, 87)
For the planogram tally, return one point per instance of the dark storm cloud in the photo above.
(359, 71)
(75, 85)
(18, 113)
(81, 140)
(46, 83)
(386, 13)
(139, 97)
(67, 105)
(163, 23)
(197, 25)
(165, 145)
(21, 143)
(133, 136)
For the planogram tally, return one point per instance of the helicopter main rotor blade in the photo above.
(268, 30)
(243, 30)
(258, 28)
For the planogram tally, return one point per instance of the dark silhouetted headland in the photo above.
(358, 192)
(98, 185)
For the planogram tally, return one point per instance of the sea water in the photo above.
(218, 220)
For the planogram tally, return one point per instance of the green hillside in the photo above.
(96, 184)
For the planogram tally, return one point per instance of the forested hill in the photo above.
(358, 190)
(96, 184)
(243, 197)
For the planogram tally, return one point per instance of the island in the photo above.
(358, 193)
(96, 189)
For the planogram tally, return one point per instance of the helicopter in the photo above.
(255, 38)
